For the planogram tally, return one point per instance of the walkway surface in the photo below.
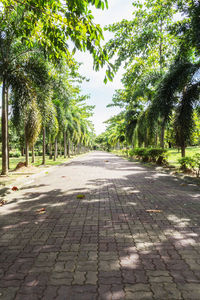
(106, 245)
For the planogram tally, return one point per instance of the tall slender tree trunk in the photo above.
(33, 154)
(65, 144)
(156, 139)
(4, 126)
(183, 150)
(162, 136)
(44, 146)
(60, 149)
(55, 149)
(7, 93)
(161, 47)
(22, 151)
(68, 148)
(27, 154)
(50, 150)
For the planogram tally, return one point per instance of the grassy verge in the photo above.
(38, 161)
(173, 154)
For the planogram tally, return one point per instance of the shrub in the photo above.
(197, 163)
(141, 153)
(14, 154)
(192, 163)
(186, 162)
(152, 154)
(131, 153)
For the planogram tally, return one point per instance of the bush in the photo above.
(186, 163)
(191, 163)
(152, 154)
(197, 163)
(14, 154)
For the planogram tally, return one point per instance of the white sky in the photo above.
(101, 94)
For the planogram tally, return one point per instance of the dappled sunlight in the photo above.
(123, 232)
(180, 222)
(132, 203)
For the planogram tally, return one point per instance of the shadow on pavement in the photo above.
(107, 245)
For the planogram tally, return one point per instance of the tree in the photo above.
(51, 24)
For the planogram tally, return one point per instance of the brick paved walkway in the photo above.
(106, 245)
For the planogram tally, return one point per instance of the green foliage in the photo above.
(32, 122)
(192, 163)
(14, 154)
(149, 154)
(186, 162)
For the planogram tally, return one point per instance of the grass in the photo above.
(174, 154)
(38, 160)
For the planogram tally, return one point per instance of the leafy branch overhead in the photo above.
(159, 49)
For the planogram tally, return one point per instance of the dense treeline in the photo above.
(39, 77)
(159, 102)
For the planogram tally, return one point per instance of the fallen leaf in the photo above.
(183, 184)
(106, 160)
(80, 196)
(3, 202)
(41, 210)
(14, 188)
(63, 176)
(153, 210)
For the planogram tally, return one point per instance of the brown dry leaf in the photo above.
(106, 160)
(154, 210)
(63, 176)
(15, 188)
(41, 210)
(3, 202)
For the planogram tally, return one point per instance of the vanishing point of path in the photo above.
(106, 245)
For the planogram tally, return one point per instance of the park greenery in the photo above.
(42, 103)
(159, 102)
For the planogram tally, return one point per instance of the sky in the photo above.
(101, 94)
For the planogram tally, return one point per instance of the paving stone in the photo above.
(107, 245)
(8, 293)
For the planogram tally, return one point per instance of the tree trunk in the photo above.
(60, 149)
(183, 151)
(68, 148)
(156, 139)
(65, 144)
(44, 146)
(4, 126)
(162, 136)
(50, 150)
(55, 150)
(33, 154)
(126, 149)
(22, 151)
(7, 129)
(27, 154)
